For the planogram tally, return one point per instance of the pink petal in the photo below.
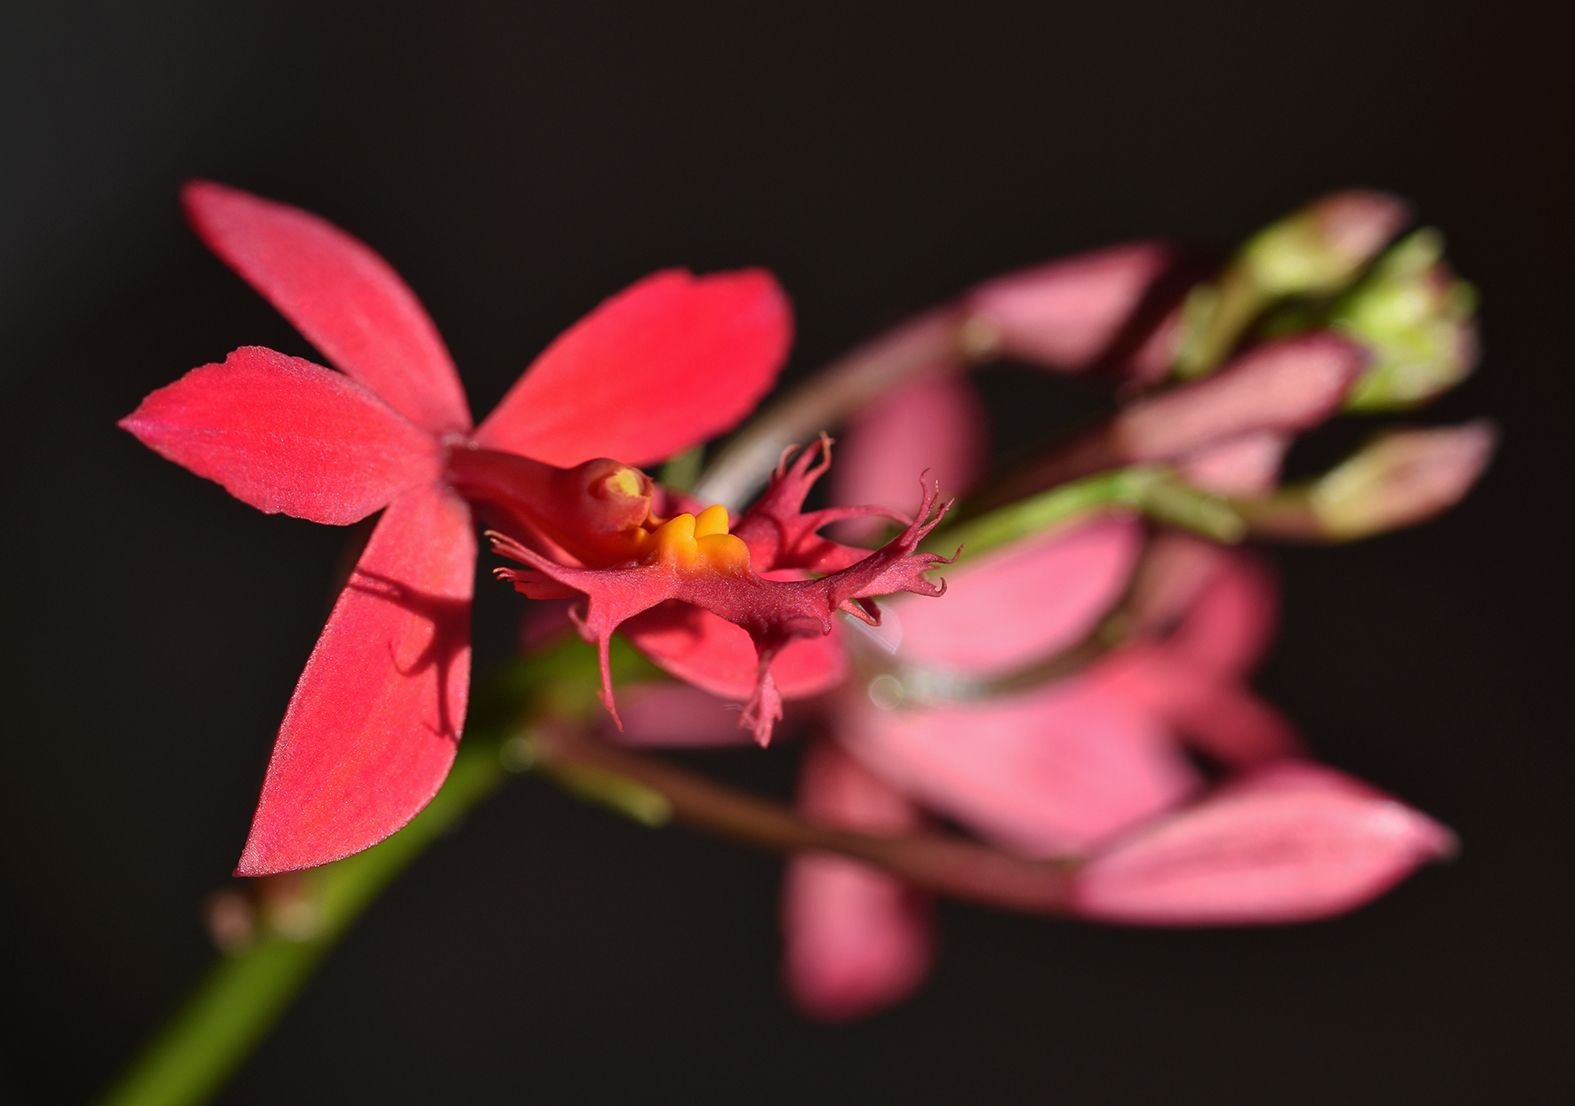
(1217, 606)
(1012, 607)
(1217, 715)
(1292, 843)
(935, 427)
(285, 435)
(668, 362)
(702, 649)
(1232, 725)
(376, 717)
(1276, 389)
(677, 716)
(1233, 618)
(1282, 386)
(857, 940)
(1241, 466)
(343, 297)
(1046, 773)
(1070, 313)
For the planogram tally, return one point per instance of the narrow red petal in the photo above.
(1292, 843)
(857, 940)
(285, 435)
(342, 296)
(669, 362)
(376, 717)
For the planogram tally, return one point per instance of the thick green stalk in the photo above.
(244, 994)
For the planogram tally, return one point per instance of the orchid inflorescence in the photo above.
(1091, 642)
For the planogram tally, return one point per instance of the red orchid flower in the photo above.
(374, 722)
(752, 577)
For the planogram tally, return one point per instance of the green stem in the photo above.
(1153, 491)
(245, 993)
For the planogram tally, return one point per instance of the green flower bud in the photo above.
(1323, 247)
(1416, 320)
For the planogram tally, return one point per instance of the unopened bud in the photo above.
(1315, 251)
(1416, 319)
(1399, 479)
(1285, 386)
(1322, 247)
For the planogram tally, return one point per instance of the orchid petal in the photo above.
(1249, 465)
(1218, 716)
(667, 363)
(1070, 314)
(936, 426)
(678, 716)
(1023, 603)
(1231, 621)
(376, 717)
(784, 539)
(1215, 605)
(1293, 843)
(710, 652)
(342, 296)
(857, 940)
(285, 435)
(1045, 773)
(1278, 388)
(1282, 386)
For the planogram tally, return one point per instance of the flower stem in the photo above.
(1154, 492)
(242, 996)
(245, 993)
(936, 861)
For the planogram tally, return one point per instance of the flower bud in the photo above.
(1322, 247)
(1416, 318)
(1282, 387)
(1402, 479)
(1315, 251)
(1397, 480)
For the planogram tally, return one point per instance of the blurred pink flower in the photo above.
(1092, 768)
(1096, 768)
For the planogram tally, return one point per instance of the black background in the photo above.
(516, 166)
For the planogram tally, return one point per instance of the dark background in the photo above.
(516, 167)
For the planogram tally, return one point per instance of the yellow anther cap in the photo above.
(696, 545)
